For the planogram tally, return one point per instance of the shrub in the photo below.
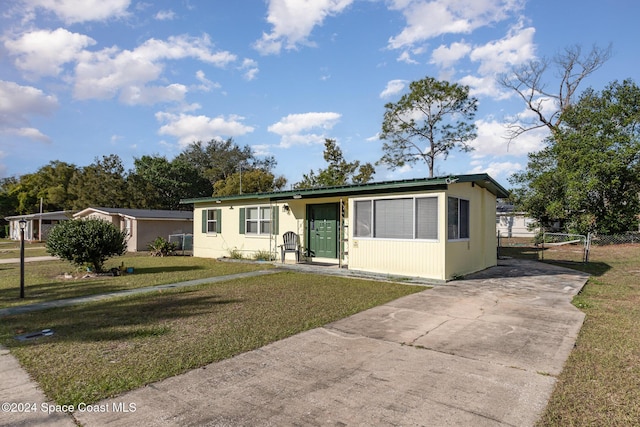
(235, 254)
(86, 241)
(263, 256)
(162, 247)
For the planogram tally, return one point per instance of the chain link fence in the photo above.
(562, 247)
(184, 242)
(631, 237)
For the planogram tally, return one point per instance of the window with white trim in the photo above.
(397, 218)
(457, 218)
(258, 220)
(211, 221)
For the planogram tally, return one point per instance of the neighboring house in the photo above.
(510, 223)
(143, 226)
(437, 228)
(38, 225)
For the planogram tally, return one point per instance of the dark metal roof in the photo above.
(483, 180)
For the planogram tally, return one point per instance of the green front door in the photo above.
(322, 229)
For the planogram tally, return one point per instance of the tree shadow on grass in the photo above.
(118, 319)
(72, 288)
(165, 269)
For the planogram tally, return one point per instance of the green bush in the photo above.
(263, 256)
(86, 241)
(235, 253)
(162, 247)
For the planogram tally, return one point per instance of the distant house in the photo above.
(510, 223)
(38, 225)
(436, 228)
(142, 226)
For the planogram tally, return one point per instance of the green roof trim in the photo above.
(483, 180)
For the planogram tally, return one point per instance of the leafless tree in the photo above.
(571, 65)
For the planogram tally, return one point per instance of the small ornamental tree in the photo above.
(86, 241)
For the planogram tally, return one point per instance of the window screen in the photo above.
(427, 218)
(457, 218)
(393, 218)
(363, 219)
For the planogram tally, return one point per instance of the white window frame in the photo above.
(456, 238)
(259, 221)
(212, 222)
(372, 213)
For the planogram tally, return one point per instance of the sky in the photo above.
(82, 79)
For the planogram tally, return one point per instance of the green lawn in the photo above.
(600, 383)
(11, 249)
(104, 348)
(44, 280)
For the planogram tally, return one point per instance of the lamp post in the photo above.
(23, 225)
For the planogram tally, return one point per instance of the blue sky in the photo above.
(80, 79)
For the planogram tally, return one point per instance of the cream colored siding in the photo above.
(218, 245)
(399, 257)
(479, 251)
(439, 259)
(407, 257)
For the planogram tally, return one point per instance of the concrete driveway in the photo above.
(479, 352)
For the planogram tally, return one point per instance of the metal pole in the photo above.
(21, 262)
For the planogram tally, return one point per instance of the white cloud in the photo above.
(492, 140)
(250, 68)
(498, 56)
(496, 170)
(74, 11)
(293, 21)
(445, 56)
(393, 87)
(165, 15)
(17, 104)
(296, 129)
(431, 18)
(406, 58)
(205, 84)
(103, 74)
(261, 150)
(375, 138)
(149, 95)
(44, 52)
(189, 128)
(484, 86)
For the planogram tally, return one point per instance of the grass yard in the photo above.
(104, 348)
(600, 383)
(44, 280)
(11, 249)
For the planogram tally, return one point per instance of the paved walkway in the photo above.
(478, 352)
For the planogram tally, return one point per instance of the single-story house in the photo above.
(38, 225)
(436, 228)
(511, 223)
(142, 226)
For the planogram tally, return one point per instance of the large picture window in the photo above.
(399, 218)
(457, 218)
